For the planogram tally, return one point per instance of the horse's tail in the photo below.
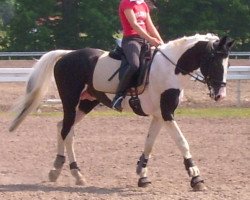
(37, 86)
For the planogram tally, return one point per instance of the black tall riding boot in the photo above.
(122, 87)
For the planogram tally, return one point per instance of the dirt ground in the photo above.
(107, 149)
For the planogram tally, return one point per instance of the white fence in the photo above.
(11, 75)
(10, 55)
(14, 74)
(238, 73)
(238, 55)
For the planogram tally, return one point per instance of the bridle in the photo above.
(205, 62)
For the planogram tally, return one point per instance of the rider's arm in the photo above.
(152, 29)
(130, 15)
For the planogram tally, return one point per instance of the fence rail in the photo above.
(239, 54)
(10, 55)
(8, 75)
(238, 73)
(13, 74)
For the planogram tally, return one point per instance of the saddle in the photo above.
(142, 72)
(140, 78)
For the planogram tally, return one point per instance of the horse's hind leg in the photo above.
(60, 157)
(84, 108)
(141, 169)
(65, 139)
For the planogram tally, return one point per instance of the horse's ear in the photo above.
(227, 42)
(223, 41)
(230, 43)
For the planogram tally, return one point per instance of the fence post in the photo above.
(238, 94)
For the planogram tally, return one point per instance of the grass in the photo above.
(183, 112)
(180, 112)
(95, 113)
(213, 112)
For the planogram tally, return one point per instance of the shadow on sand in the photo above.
(127, 191)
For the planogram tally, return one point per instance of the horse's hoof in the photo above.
(144, 182)
(80, 182)
(197, 183)
(54, 174)
(199, 187)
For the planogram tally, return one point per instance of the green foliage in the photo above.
(99, 22)
(180, 112)
(24, 32)
(6, 14)
(214, 112)
(6, 11)
(35, 25)
(222, 17)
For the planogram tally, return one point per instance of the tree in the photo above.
(32, 25)
(99, 22)
(6, 14)
(67, 30)
(27, 31)
(222, 17)
(51, 25)
(62, 24)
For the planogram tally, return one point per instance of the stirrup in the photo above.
(116, 105)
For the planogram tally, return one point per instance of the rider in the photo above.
(137, 27)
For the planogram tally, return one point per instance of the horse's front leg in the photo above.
(196, 182)
(141, 169)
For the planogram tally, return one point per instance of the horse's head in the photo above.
(214, 66)
(207, 52)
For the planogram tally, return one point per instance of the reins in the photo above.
(197, 77)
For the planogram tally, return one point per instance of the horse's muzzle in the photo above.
(218, 96)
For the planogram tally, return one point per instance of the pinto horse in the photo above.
(82, 81)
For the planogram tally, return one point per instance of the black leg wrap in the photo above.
(188, 163)
(60, 160)
(142, 163)
(73, 165)
(196, 180)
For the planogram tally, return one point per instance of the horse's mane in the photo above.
(192, 39)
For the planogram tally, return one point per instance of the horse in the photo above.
(82, 79)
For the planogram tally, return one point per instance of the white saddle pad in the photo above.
(104, 69)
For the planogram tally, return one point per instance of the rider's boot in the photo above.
(122, 87)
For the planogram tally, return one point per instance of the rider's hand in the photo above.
(155, 42)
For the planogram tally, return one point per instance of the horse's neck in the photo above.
(191, 59)
(175, 49)
(183, 55)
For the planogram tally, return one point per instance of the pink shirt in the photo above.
(140, 10)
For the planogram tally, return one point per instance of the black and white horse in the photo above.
(82, 81)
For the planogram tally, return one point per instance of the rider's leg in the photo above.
(131, 48)
(122, 87)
